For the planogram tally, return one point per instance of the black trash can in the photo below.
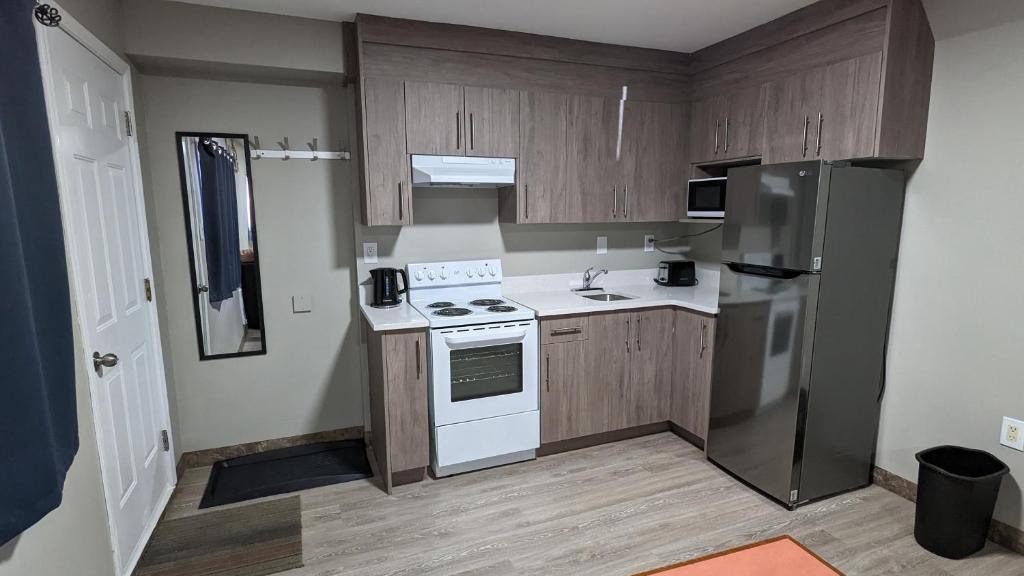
(956, 494)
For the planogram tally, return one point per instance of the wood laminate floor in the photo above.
(609, 510)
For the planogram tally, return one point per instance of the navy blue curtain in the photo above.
(38, 426)
(220, 220)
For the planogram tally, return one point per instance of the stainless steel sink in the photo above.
(606, 297)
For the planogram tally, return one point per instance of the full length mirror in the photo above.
(220, 222)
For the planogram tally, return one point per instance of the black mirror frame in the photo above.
(191, 253)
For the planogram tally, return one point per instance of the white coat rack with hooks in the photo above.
(256, 152)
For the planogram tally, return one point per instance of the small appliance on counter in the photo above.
(385, 287)
(676, 273)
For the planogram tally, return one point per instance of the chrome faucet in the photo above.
(589, 278)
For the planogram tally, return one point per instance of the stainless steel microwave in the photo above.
(705, 198)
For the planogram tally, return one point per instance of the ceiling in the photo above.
(678, 25)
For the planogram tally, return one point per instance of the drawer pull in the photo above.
(565, 331)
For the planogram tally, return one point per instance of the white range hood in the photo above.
(462, 172)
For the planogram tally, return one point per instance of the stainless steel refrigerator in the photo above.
(808, 265)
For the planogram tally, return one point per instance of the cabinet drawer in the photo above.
(564, 329)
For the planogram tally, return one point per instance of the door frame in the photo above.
(93, 44)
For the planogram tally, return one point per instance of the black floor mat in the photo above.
(285, 470)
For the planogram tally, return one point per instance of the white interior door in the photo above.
(104, 222)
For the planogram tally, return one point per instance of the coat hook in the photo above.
(312, 147)
(284, 147)
(254, 143)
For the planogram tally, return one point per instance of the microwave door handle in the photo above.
(473, 341)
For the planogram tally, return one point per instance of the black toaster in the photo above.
(676, 273)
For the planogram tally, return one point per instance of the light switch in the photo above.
(302, 303)
(602, 245)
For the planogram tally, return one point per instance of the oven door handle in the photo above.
(485, 339)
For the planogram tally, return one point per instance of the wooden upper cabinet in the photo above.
(793, 104)
(743, 130)
(706, 116)
(387, 189)
(728, 126)
(828, 112)
(849, 108)
(541, 178)
(594, 187)
(435, 119)
(493, 122)
(653, 161)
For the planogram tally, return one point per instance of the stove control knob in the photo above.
(469, 272)
(430, 274)
(481, 272)
(419, 275)
(444, 274)
(492, 271)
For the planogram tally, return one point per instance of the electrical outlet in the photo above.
(1012, 435)
(602, 245)
(648, 242)
(370, 252)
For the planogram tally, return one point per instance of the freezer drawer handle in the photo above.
(756, 270)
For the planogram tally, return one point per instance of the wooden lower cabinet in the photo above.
(615, 373)
(399, 421)
(691, 385)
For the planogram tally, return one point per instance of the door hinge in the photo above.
(128, 123)
(166, 440)
(147, 286)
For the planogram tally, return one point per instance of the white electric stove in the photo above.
(483, 366)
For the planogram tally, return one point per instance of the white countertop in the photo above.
(401, 317)
(551, 295)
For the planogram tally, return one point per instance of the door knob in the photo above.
(104, 361)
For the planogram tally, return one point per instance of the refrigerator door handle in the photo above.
(758, 270)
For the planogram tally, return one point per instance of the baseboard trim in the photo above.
(999, 532)
(207, 457)
(602, 438)
(686, 435)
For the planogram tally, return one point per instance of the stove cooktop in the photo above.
(462, 293)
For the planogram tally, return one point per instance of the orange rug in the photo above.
(780, 556)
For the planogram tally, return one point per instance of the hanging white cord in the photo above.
(622, 113)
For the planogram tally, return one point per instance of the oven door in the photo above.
(483, 371)
(706, 198)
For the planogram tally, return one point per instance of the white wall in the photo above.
(310, 378)
(957, 335)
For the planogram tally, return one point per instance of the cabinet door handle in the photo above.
(472, 132)
(627, 334)
(807, 122)
(547, 377)
(615, 202)
(718, 124)
(526, 200)
(419, 372)
(625, 200)
(458, 131)
(726, 133)
(703, 345)
(817, 145)
(565, 331)
(639, 331)
(401, 216)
